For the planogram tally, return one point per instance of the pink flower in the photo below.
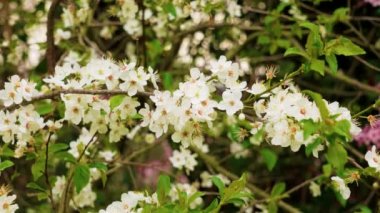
(149, 172)
(369, 135)
(374, 3)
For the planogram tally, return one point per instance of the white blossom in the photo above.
(341, 186)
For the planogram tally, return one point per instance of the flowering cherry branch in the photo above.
(57, 93)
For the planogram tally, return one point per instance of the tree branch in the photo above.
(346, 79)
(73, 91)
(50, 51)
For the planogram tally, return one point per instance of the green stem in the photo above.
(369, 108)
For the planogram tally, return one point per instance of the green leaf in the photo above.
(341, 14)
(309, 128)
(81, 176)
(167, 81)
(42, 196)
(233, 132)
(342, 128)
(310, 147)
(336, 155)
(116, 100)
(99, 165)
(218, 183)
(155, 49)
(44, 107)
(182, 197)
(65, 156)
(333, 63)
(102, 167)
(263, 39)
(61, 109)
(317, 65)
(340, 199)
(35, 186)
(58, 147)
(312, 27)
(295, 51)
(278, 189)
(343, 46)
(327, 170)
(163, 188)
(363, 209)
(212, 207)
(319, 102)
(314, 44)
(272, 207)
(234, 188)
(5, 151)
(169, 8)
(5, 164)
(38, 168)
(195, 196)
(283, 43)
(270, 158)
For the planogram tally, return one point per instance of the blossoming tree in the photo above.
(189, 106)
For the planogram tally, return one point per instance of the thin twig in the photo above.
(133, 155)
(369, 108)
(342, 77)
(367, 64)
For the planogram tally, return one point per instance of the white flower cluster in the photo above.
(7, 204)
(373, 159)
(17, 90)
(85, 139)
(85, 198)
(191, 105)
(21, 125)
(189, 189)
(283, 111)
(183, 159)
(341, 187)
(190, 13)
(129, 203)
(95, 110)
(207, 179)
(99, 73)
(132, 201)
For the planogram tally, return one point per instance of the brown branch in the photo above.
(369, 65)
(143, 39)
(353, 82)
(50, 51)
(54, 94)
(5, 11)
(105, 24)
